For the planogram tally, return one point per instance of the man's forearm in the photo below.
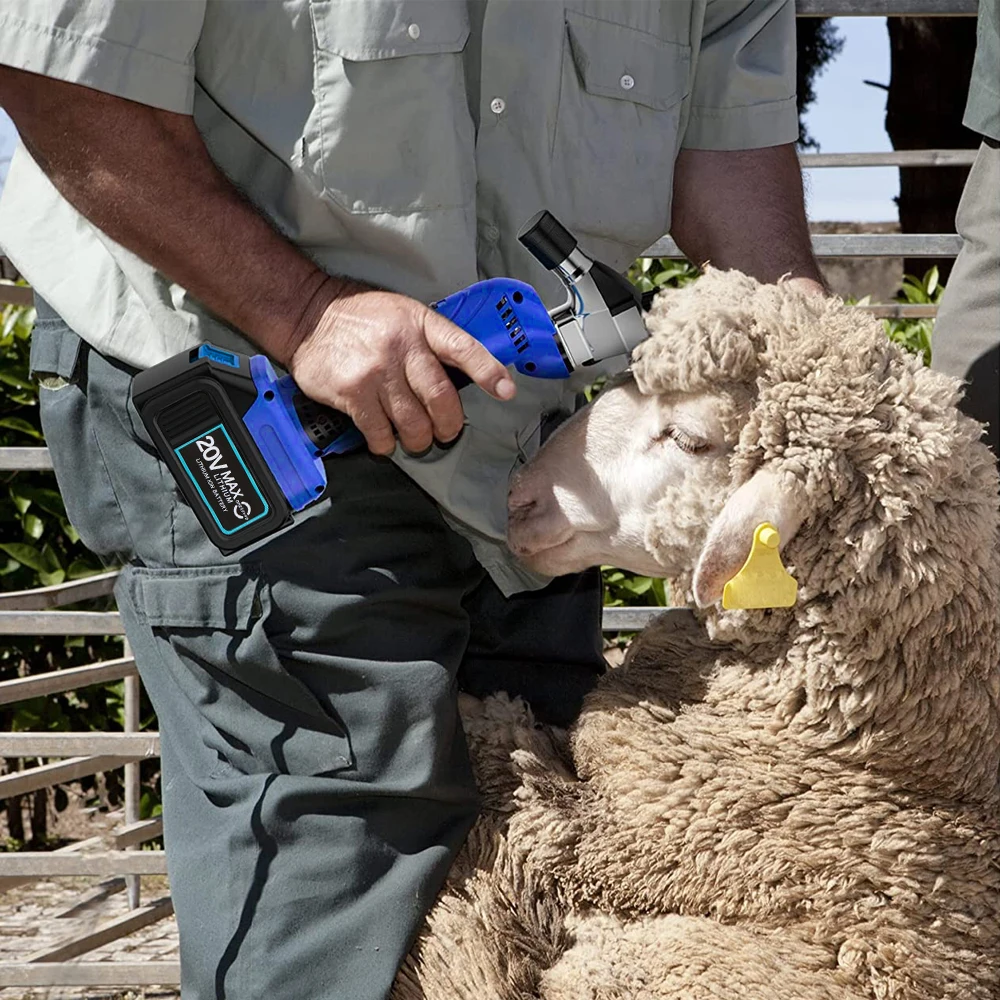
(144, 177)
(743, 209)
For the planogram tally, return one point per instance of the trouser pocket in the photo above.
(225, 685)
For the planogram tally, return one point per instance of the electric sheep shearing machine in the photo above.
(247, 447)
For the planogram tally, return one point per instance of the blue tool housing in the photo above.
(508, 318)
(274, 426)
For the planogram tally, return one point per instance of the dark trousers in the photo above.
(315, 779)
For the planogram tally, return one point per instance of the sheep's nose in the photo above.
(520, 506)
(521, 499)
(535, 521)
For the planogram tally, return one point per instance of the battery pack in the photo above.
(192, 407)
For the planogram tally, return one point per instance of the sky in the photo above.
(847, 117)
(8, 139)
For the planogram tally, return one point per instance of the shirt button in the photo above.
(413, 31)
(498, 105)
(627, 82)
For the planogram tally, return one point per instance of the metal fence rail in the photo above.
(856, 245)
(886, 8)
(65, 756)
(892, 158)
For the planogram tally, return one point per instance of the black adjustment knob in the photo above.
(547, 240)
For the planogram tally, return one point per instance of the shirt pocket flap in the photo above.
(617, 61)
(203, 597)
(379, 29)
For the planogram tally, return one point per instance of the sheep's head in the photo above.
(754, 403)
(593, 493)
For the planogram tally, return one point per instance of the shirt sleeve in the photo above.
(743, 96)
(142, 50)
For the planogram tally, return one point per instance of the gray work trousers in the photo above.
(967, 331)
(315, 779)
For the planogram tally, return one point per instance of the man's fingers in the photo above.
(431, 385)
(370, 419)
(454, 346)
(416, 433)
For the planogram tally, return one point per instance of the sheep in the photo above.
(783, 803)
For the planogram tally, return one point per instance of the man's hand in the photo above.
(144, 177)
(377, 357)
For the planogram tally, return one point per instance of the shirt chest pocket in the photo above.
(390, 131)
(617, 128)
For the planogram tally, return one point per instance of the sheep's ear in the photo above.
(761, 498)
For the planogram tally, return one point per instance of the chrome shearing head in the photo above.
(601, 317)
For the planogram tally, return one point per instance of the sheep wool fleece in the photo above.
(767, 805)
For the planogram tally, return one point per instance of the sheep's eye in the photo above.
(685, 442)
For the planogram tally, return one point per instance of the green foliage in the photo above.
(40, 548)
(650, 274)
(621, 589)
(915, 334)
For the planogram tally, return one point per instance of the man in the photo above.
(255, 174)
(967, 331)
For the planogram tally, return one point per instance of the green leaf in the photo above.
(931, 280)
(53, 562)
(81, 567)
(52, 579)
(34, 526)
(48, 499)
(17, 424)
(26, 555)
(23, 397)
(9, 567)
(14, 379)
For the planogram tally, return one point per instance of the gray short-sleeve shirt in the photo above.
(982, 112)
(403, 142)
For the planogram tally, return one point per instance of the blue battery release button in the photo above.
(217, 354)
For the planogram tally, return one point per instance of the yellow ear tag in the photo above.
(763, 582)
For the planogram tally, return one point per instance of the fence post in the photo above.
(132, 882)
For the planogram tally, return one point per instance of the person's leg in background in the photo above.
(315, 778)
(544, 645)
(966, 339)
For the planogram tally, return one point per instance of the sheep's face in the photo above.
(589, 495)
(754, 403)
